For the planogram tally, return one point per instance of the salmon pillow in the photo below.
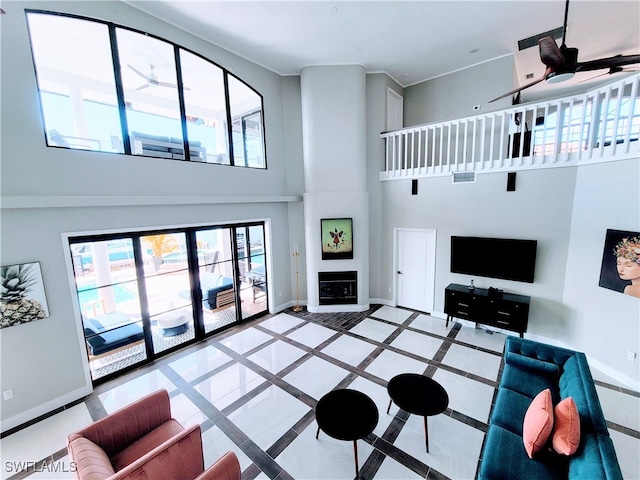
(538, 423)
(566, 432)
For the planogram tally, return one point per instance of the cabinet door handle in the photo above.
(463, 305)
(508, 314)
(503, 322)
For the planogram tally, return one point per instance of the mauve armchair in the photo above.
(143, 441)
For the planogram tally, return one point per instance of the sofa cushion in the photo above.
(566, 431)
(533, 364)
(89, 458)
(529, 383)
(538, 423)
(595, 459)
(504, 458)
(144, 445)
(509, 410)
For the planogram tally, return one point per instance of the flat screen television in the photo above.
(503, 258)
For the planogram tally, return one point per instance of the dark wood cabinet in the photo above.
(480, 305)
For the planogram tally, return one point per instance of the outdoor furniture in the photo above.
(346, 415)
(258, 281)
(109, 333)
(417, 394)
(173, 323)
(141, 440)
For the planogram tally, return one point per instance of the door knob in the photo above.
(399, 272)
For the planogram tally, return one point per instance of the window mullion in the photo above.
(229, 124)
(183, 109)
(122, 110)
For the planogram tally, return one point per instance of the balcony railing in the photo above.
(597, 126)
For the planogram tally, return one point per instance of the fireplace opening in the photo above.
(338, 288)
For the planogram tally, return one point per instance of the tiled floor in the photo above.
(253, 390)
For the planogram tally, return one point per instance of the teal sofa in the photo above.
(529, 368)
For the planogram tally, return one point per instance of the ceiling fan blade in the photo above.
(550, 54)
(138, 72)
(612, 71)
(530, 84)
(142, 87)
(165, 84)
(610, 62)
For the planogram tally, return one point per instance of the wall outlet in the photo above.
(632, 356)
(7, 394)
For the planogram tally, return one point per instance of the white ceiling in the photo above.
(412, 41)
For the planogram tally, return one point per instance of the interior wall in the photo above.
(601, 322)
(540, 209)
(454, 95)
(44, 363)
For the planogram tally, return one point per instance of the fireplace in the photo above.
(338, 288)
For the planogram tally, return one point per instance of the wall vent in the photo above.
(464, 177)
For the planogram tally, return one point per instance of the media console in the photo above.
(480, 305)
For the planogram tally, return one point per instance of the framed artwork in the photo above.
(620, 270)
(337, 238)
(22, 298)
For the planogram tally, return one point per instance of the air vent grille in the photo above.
(464, 177)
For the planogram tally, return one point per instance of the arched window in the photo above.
(112, 89)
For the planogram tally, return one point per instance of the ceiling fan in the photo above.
(152, 79)
(562, 62)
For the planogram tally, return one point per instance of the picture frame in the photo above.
(620, 268)
(337, 238)
(22, 295)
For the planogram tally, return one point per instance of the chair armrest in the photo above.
(178, 457)
(116, 431)
(226, 467)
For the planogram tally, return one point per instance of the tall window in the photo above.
(107, 88)
(142, 295)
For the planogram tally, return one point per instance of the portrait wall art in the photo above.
(620, 270)
(22, 298)
(337, 238)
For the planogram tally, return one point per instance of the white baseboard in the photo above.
(45, 408)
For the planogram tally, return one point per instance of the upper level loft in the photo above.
(597, 126)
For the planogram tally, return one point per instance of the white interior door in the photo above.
(416, 253)
(395, 110)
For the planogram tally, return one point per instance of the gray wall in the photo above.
(44, 362)
(454, 95)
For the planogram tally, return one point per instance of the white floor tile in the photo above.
(276, 356)
(417, 343)
(281, 323)
(268, 416)
(627, 449)
(229, 385)
(430, 324)
(133, 390)
(215, 444)
(389, 364)
(185, 411)
(324, 458)
(466, 395)
(454, 447)
(392, 314)
(246, 340)
(59, 470)
(473, 361)
(620, 408)
(316, 377)
(479, 337)
(373, 329)
(199, 363)
(392, 470)
(311, 334)
(349, 350)
(380, 397)
(38, 441)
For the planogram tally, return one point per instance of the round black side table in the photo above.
(346, 415)
(417, 394)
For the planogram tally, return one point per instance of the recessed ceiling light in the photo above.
(333, 10)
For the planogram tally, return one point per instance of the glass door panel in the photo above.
(215, 269)
(251, 265)
(168, 289)
(107, 290)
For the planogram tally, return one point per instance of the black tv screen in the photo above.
(503, 258)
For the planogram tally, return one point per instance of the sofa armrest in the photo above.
(117, 430)
(226, 467)
(179, 457)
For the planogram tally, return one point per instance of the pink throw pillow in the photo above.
(538, 423)
(566, 432)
